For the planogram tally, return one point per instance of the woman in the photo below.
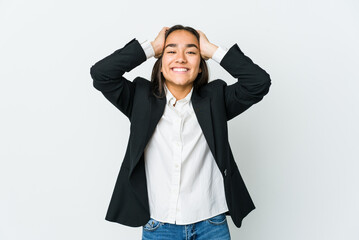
(178, 179)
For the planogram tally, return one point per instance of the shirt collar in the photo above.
(171, 99)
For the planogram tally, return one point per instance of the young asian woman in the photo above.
(179, 177)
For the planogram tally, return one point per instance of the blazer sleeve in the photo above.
(107, 75)
(252, 82)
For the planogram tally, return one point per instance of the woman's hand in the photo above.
(207, 49)
(159, 42)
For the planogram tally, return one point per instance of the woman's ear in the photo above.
(200, 70)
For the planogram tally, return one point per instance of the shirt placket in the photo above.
(176, 159)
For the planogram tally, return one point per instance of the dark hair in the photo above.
(157, 78)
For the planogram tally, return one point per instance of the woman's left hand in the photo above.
(207, 49)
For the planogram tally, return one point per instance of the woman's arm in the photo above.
(107, 74)
(253, 82)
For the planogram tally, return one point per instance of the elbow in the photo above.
(263, 84)
(261, 88)
(267, 83)
(94, 72)
(96, 77)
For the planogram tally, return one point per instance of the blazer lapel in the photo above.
(143, 135)
(202, 108)
(157, 107)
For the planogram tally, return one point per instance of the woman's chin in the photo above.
(180, 82)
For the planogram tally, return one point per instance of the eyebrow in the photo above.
(187, 45)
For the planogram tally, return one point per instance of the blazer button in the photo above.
(225, 172)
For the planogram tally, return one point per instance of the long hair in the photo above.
(157, 78)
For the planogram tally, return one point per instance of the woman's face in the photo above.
(181, 58)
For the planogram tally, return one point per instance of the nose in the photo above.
(181, 58)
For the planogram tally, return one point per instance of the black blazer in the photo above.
(214, 104)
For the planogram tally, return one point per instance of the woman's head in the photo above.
(181, 62)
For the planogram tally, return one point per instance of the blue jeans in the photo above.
(212, 228)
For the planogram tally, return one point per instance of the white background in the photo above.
(62, 142)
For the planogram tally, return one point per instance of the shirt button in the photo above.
(177, 165)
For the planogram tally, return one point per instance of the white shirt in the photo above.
(184, 182)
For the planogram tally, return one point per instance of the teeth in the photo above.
(180, 69)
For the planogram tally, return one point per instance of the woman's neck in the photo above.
(179, 92)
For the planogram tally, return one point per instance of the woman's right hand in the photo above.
(159, 42)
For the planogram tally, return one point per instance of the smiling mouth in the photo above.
(180, 70)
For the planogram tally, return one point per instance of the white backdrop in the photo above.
(62, 142)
